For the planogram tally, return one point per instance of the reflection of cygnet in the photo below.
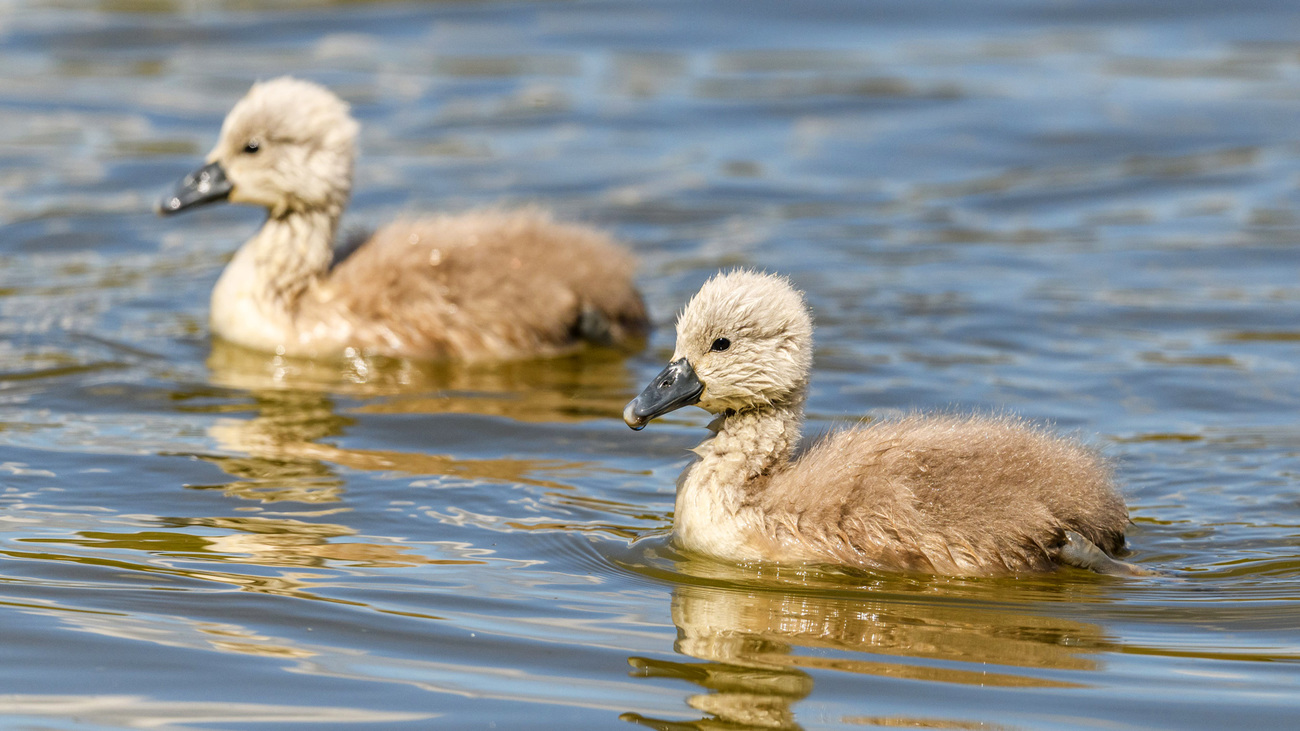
(942, 494)
(766, 629)
(759, 648)
(489, 285)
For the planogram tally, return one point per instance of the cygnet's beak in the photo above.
(205, 185)
(675, 386)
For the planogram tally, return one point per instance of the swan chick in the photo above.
(484, 285)
(944, 494)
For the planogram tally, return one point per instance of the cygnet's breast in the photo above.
(710, 517)
(239, 311)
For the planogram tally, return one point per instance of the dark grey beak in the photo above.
(675, 386)
(205, 185)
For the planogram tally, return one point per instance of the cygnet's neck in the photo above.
(715, 508)
(257, 295)
(291, 252)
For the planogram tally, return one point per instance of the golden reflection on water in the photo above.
(758, 646)
(133, 711)
(915, 722)
(285, 461)
(247, 541)
(257, 540)
(284, 584)
(591, 384)
(280, 453)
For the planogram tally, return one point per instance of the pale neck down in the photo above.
(256, 300)
(714, 507)
(289, 254)
(752, 443)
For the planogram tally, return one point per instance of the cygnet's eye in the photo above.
(252, 146)
(720, 345)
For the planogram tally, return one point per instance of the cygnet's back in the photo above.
(944, 494)
(484, 285)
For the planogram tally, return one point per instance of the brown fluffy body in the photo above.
(939, 494)
(481, 285)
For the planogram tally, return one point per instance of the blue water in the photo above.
(1083, 212)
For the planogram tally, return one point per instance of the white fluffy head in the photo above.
(768, 331)
(288, 145)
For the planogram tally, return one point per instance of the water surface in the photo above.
(1085, 213)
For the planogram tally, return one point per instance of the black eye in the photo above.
(720, 345)
(252, 147)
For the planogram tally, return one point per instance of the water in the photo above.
(1085, 213)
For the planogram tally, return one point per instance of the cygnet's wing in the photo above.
(969, 494)
(487, 285)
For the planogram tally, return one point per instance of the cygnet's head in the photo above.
(287, 145)
(744, 341)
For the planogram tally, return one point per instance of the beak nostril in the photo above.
(201, 186)
(672, 388)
